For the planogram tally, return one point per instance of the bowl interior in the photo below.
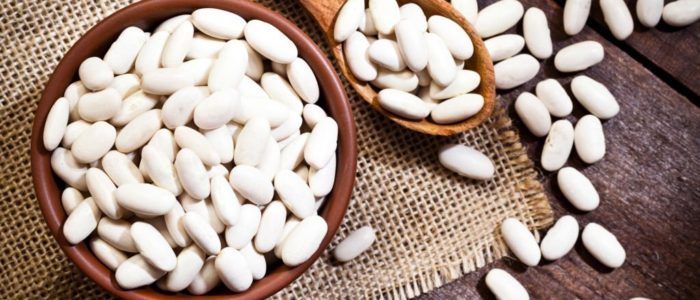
(147, 15)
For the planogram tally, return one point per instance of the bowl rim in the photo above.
(104, 32)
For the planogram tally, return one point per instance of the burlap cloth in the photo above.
(432, 226)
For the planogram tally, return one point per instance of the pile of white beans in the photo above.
(618, 18)
(417, 63)
(193, 163)
(549, 100)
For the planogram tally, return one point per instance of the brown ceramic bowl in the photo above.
(147, 15)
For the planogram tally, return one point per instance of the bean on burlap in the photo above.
(432, 225)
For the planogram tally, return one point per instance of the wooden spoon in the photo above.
(325, 14)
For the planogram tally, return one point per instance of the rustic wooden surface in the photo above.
(648, 181)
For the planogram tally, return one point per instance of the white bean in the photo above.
(130, 196)
(192, 174)
(133, 106)
(108, 255)
(386, 54)
(139, 131)
(166, 81)
(178, 109)
(504, 46)
(294, 192)
(536, 32)
(201, 233)
(81, 222)
(293, 154)
(354, 244)
(466, 161)
(137, 272)
(385, 15)
(218, 23)
(225, 201)
(465, 81)
(280, 90)
(322, 143)
(575, 15)
(589, 139)
(186, 137)
(405, 80)
(554, 97)
(649, 12)
(99, 106)
(321, 180)
(95, 73)
(176, 227)
(122, 54)
(164, 141)
(70, 198)
(64, 164)
(595, 97)
(251, 184)
(403, 104)
(233, 270)
(557, 146)
(271, 226)
(161, 170)
(579, 56)
(177, 45)
(618, 18)
(441, 65)
(222, 142)
(240, 234)
(348, 20)
(303, 80)
(151, 53)
(577, 189)
(681, 13)
(153, 246)
(94, 142)
(414, 12)
(217, 109)
(560, 239)
(206, 279)
(230, 66)
(367, 24)
(304, 240)
(498, 17)
(505, 286)
(189, 261)
(312, 114)
(126, 84)
(516, 70)
(521, 241)
(199, 69)
(270, 42)
(413, 45)
(271, 157)
(533, 113)
(117, 233)
(56, 123)
(249, 149)
(457, 109)
(603, 245)
(102, 191)
(204, 46)
(468, 8)
(453, 35)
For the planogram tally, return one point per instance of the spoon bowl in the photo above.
(325, 13)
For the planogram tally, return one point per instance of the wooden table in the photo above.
(649, 180)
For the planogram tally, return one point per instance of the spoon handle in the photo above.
(324, 11)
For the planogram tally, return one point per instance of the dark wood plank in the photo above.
(671, 52)
(648, 183)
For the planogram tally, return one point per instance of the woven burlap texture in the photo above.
(432, 225)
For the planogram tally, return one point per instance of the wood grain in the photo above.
(325, 12)
(648, 183)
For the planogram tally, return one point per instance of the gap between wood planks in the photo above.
(602, 29)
